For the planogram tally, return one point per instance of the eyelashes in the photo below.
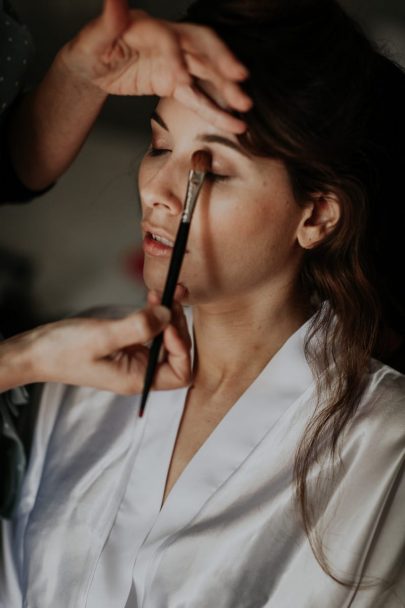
(156, 151)
(212, 177)
(216, 177)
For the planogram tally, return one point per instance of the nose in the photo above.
(163, 188)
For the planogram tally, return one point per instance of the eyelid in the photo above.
(158, 141)
(156, 151)
(217, 177)
(217, 173)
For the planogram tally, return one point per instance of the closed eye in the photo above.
(152, 151)
(212, 177)
(216, 177)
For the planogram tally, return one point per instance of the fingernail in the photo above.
(247, 102)
(162, 313)
(241, 72)
(180, 292)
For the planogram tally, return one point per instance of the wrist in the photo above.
(72, 71)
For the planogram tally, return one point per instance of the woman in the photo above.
(275, 478)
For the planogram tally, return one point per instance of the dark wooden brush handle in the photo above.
(167, 300)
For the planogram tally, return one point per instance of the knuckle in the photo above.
(208, 31)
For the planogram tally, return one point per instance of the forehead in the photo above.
(178, 118)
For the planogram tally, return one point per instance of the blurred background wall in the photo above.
(78, 246)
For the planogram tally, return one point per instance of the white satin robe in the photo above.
(90, 531)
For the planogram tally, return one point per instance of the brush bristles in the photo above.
(201, 161)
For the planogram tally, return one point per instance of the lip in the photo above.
(153, 247)
(148, 228)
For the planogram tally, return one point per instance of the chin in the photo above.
(153, 283)
(154, 276)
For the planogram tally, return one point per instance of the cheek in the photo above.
(244, 229)
(238, 218)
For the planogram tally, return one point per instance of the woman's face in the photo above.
(242, 238)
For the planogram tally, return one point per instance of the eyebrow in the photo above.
(209, 138)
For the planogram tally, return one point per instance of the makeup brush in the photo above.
(200, 166)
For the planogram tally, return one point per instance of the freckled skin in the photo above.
(243, 234)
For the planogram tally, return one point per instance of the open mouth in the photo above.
(160, 239)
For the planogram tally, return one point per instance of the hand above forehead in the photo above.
(128, 52)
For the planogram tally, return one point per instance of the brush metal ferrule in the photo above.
(195, 182)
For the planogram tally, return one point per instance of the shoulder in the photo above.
(385, 387)
(381, 412)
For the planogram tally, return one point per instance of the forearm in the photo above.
(16, 367)
(51, 123)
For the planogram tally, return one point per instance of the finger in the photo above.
(178, 318)
(98, 36)
(180, 292)
(135, 329)
(180, 322)
(176, 370)
(205, 41)
(198, 101)
(230, 92)
(170, 50)
(154, 297)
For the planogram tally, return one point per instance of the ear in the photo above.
(319, 219)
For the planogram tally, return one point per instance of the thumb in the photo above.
(137, 328)
(115, 18)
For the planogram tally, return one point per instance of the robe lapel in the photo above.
(282, 382)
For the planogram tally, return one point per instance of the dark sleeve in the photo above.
(12, 190)
(16, 53)
(18, 413)
(13, 459)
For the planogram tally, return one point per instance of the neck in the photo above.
(236, 338)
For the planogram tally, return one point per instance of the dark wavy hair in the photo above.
(331, 107)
